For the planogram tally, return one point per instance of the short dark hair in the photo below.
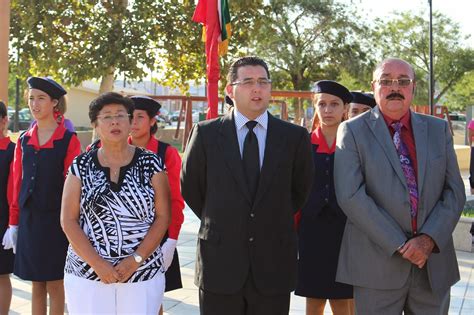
(151, 113)
(3, 110)
(242, 62)
(154, 128)
(106, 99)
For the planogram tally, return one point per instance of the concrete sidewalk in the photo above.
(185, 301)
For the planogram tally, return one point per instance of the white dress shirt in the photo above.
(260, 131)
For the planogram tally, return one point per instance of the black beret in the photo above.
(333, 88)
(146, 103)
(363, 98)
(47, 85)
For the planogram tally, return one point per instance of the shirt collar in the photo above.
(4, 142)
(318, 139)
(405, 120)
(152, 144)
(241, 119)
(33, 134)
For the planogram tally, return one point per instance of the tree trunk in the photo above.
(107, 82)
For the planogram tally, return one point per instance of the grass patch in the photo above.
(468, 213)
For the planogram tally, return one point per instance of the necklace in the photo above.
(117, 169)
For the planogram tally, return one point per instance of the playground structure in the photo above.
(279, 98)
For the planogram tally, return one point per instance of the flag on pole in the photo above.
(226, 31)
(215, 17)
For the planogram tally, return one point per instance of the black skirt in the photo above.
(6, 256)
(173, 274)
(319, 244)
(41, 246)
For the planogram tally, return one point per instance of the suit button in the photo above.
(326, 199)
(327, 159)
(327, 172)
(327, 186)
(251, 239)
(36, 152)
(252, 215)
(32, 178)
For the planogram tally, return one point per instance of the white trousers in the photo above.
(94, 297)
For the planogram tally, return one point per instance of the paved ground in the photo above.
(185, 301)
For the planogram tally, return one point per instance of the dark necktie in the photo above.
(251, 159)
(408, 171)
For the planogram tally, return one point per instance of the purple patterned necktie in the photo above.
(408, 171)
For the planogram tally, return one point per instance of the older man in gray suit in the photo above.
(398, 181)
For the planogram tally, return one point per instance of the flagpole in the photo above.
(431, 85)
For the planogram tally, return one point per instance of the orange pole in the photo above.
(180, 116)
(188, 122)
(4, 39)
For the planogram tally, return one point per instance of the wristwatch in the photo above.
(137, 258)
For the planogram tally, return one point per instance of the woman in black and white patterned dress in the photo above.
(116, 209)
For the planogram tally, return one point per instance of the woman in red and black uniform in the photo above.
(6, 193)
(142, 135)
(322, 221)
(42, 157)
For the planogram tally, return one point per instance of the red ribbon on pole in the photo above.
(207, 13)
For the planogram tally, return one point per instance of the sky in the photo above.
(460, 11)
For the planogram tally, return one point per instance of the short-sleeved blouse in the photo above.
(471, 124)
(116, 217)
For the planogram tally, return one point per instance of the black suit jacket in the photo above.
(237, 235)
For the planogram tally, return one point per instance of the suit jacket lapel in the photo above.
(274, 145)
(420, 133)
(229, 146)
(382, 134)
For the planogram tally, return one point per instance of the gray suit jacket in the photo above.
(372, 191)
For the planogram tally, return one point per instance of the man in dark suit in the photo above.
(244, 175)
(398, 181)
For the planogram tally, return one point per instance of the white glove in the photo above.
(10, 237)
(168, 251)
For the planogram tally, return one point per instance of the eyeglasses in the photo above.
(110, 118)
(390, 82)
(253, 82)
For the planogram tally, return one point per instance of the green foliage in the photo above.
(468, 213)
(407, 37)
(181, 50)
(361, 83)
(78, 40)
(11, 90)
(303, 41)
(307, 40)
(462, 94)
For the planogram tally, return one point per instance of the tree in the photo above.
(462, 94)
(307, 40)
(182, 52)
(407, 37)
(78, 40)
